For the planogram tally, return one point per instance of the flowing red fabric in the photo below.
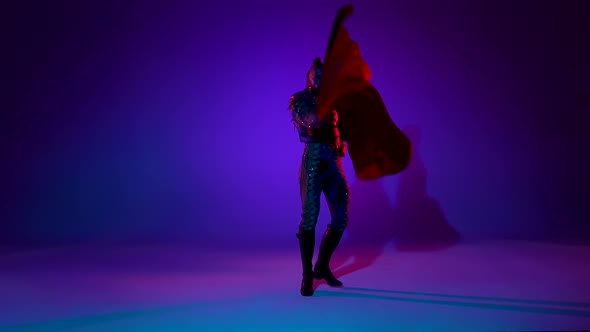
(377, 147)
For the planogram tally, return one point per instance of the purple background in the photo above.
(167, 120)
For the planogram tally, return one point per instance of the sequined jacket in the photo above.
(310, 127)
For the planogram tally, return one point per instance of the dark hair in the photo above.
(317, 62)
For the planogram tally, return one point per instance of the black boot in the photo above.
(306, 247)
(329, 243)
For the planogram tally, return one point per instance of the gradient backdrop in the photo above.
(167, 120)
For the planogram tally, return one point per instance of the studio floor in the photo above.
(487, 286)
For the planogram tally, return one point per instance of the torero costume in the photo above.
(339, 108)
(320, 171)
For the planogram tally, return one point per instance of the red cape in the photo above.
(377, 147)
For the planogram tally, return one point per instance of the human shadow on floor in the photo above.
(415, 221)
(475, 298)
(530, 306)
